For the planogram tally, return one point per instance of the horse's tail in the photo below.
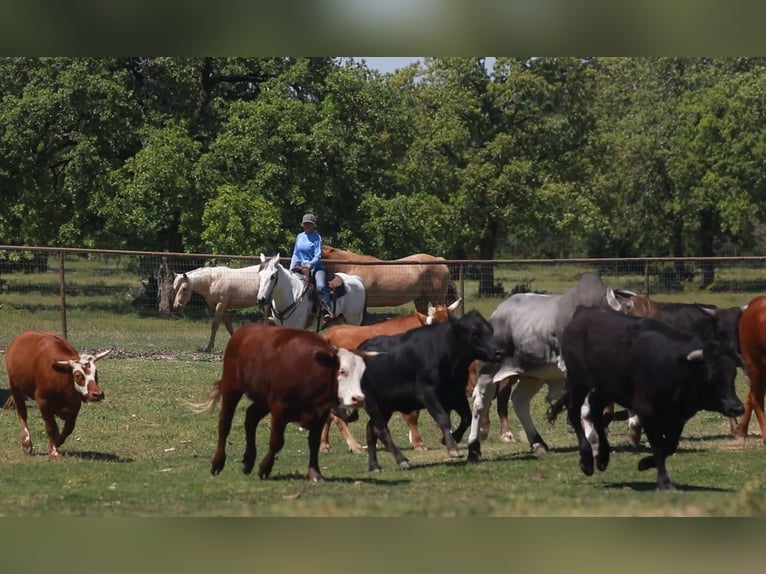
(555, 409)
(208, 405)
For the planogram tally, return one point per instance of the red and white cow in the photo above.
(292, 374)
(45, 367)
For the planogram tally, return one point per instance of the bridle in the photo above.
(290, 309)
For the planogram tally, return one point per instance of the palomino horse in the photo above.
(419, 278)
(288, 295)
(223, 288)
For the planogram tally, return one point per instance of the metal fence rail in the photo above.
(68, 285)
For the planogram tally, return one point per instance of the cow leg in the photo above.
(634, 429)
(352, 443)
(378, 431)
(755, 398)
(21, 414)
(229, 403)
(483, 394)
(276, 441)
(315, 432)
(463, 409)
(52, 430)
(503, 398)
(575, 400)
(663, 445)
(411, 418)
(442, 419)
(522, 397)
(599, 424)
(324, 440)
(253, 415)
(69, 423)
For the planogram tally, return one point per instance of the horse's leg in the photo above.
(218, 313)
(228, 322)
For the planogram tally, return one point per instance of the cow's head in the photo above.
(440, 313)
(84, 374)
(477, 335)
(350, 371)
(182, 289)
(716, 393)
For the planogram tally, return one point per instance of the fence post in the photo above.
(646, 277)
(461, 279)
(62, 295)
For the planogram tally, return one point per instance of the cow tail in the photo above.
(9, 404)
(556, 407)
(212, 400)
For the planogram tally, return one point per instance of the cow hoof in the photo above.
(315, 476)
(419, 447)
(358, 450)
(601, 465)
(324, 449)
(454, 453)
(587, 468)
(404, 465)
(27, 449)
(507, 437)
(375, 469)
(539, 449)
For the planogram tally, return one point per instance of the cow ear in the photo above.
(325, 359)
(62, 366)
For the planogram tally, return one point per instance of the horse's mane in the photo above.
(200, 273)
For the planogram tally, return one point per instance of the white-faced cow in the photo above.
(45, 367)
(292, 374)
(424, 368)
(663, 374)
(528, 327)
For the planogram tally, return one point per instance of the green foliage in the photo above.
(539, 157)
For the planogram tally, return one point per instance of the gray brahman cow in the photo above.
(528, 326)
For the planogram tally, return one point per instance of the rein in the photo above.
(290, 309)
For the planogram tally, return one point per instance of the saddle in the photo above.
(334, 283)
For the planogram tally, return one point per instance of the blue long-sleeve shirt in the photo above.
(307, 250)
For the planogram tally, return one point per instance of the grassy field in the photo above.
(142, 453)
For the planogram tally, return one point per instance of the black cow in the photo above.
(424, 368)
(705, 321)
(662, 374)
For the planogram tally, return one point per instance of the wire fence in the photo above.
(64, 288)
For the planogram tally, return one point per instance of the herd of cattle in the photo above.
(593, 346)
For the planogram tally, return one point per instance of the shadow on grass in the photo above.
(339, 479)
(5, 394)
(652, 485)
(93, 456)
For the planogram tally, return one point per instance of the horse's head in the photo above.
(182, 289)
(268, 275)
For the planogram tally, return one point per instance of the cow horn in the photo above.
(696, 355)
(102, 354)
(455, 305)
(612, 300)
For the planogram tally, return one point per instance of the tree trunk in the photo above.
(164, 287)
(707, 235)
(487, 244)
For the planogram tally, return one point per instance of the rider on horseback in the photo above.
(307, 254)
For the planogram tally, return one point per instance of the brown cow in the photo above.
(351, 336)
(752, 345)
(292, 374)
(46, 368)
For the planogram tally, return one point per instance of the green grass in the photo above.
(142, 453)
